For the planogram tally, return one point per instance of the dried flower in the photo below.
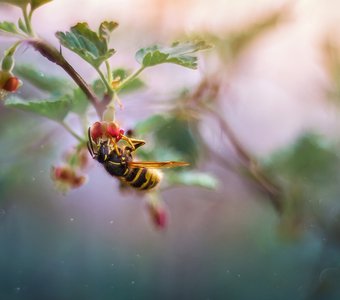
(66, 178)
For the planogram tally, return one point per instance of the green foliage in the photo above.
(132, 85)
(52, 84)
(37, 3)
(78, 102)
(55, 109)
(173, 133)
(23, 3)
(20, 3)
(177, 53)
(22, 25)
(88, 44)
(8, 27)
(310, 159)
(121, 73)
(192, 178)
(309, 175)
(105, 30)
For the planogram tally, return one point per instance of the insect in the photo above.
(118, 162)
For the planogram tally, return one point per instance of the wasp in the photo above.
(118, 162)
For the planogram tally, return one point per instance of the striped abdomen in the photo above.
(141, 178)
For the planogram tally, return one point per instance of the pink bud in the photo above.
(158, 215)
(113, 129)
(12, 84)
(96, 131)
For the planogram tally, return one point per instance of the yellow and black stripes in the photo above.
(141, 178)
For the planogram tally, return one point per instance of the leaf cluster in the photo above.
(92, 46)
(176, 138)
(178, 53)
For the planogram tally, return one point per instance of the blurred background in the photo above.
(260, 119)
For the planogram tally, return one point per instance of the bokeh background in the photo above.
(273, 76)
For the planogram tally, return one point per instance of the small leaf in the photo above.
(99, 88)
(37, 3)
(86, 43)
(52, 84)
(106, 28)
(79, 102)
(55, 109)
(174, 133)
(192, 178)
(150, 124)
(20, 3)
(132, 86)
(22, 25)
(178, 53)
(8, 27)
(135, 84)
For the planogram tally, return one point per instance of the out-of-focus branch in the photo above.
(207, 91)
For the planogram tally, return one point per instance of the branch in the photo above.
(208, 90)
(53, 55)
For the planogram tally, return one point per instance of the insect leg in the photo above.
(134, 143)
(90, 143)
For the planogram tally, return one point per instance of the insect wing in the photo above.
(157, 164)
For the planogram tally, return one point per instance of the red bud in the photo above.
(96, 131)
(113, 129)
(158, 215)
(12, 84)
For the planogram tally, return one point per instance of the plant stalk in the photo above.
(70, 130)
(53, 55)
(129, 79)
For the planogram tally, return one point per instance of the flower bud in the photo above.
(12, 84)
(66, 178)
(96, 131)
(4, 76)
(158, 214)
(113, 129)
(7, 63)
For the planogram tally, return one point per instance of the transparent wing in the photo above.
(157, 164)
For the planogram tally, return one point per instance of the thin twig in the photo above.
(208, 89)
(70, 130)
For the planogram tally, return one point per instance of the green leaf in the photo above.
(8, 27)
(55, 109)
(79, 102)
(132, 86)
(309, 159)
(135, 84)
(106, 28)
(37, 3)
(99, 88)
(20, 3)
(52, 84)
(22, 25)
(150, 124)
(192, 178)
(178, 53)
(174, 133)
(86, 43)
